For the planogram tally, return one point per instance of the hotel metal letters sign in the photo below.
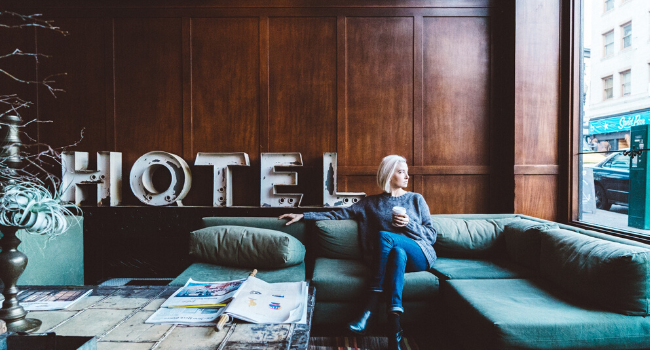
(275, 171)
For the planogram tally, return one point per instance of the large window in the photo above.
(626, 31)
(608, 43)
(607, 175)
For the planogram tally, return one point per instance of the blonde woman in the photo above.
(393, 244)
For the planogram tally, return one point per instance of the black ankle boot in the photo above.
(394, 331)
(361, 324)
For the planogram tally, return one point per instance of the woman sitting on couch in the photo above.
(393, 241)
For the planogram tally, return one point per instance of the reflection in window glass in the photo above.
(606, 121)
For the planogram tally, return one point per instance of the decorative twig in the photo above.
(29, 21)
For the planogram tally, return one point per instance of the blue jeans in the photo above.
(397, 255)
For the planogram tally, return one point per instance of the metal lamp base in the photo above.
(12, 265)
(24, 325)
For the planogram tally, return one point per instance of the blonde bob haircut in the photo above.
(386, 170)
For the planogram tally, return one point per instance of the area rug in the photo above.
(357, 343)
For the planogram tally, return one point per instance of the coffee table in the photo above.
(116, 315)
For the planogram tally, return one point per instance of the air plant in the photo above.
(34, 208)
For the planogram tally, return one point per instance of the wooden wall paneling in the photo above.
(379, 90)
(302, 94)
(82, 106)
(188, 131)
(457, 194)
(418, 91)
(366, 183)
(536, 195)
(537, 102)
(456, 91)
(109, 85)
(341, 87)
(537, 82)
(225, 111)
(148, 90)
(202, 5)
(264, 84)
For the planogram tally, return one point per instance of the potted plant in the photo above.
(29, 194)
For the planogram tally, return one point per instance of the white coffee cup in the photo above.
(398, 211)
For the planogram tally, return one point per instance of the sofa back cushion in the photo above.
(462, 238)
(297, 229)
(522, 238)
(338, 239)
(250, 247)
(612, 275)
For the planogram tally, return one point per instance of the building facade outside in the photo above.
(617, 35)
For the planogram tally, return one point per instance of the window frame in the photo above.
(605, 88)
(605, 2)
(628, 72)
(570, 111)
(623, 36)
(604, 35)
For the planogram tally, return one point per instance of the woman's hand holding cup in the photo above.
(400, 219)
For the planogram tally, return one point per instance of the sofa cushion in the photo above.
(612, 275)
(346, 280)
(338, 239)
(526, 314)
(209, 272)
(452, 268)
(461, 238)
(297, 229)
(522, 239)
(250, 247)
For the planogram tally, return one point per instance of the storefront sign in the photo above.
(620, 123)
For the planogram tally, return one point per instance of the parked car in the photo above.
(612, 181)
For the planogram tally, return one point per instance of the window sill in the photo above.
(612, 231)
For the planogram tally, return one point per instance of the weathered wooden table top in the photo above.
(116, 315)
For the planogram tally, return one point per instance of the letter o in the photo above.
(142, 175)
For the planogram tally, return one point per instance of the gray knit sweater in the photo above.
(374, 214)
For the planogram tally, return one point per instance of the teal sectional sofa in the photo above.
(501, 281)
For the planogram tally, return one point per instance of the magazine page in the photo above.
(46, 300)
(260, 302)
(203, 294)
(193, 316)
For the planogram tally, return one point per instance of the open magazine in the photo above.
(196, 303)
(261, 302)
(203, 294)
(46, 300)
(253, 300)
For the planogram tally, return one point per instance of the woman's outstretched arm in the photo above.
(336, 214)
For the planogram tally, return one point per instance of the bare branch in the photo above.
(29, 21)
(19, 52)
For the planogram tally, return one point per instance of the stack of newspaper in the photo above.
(251, 299)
